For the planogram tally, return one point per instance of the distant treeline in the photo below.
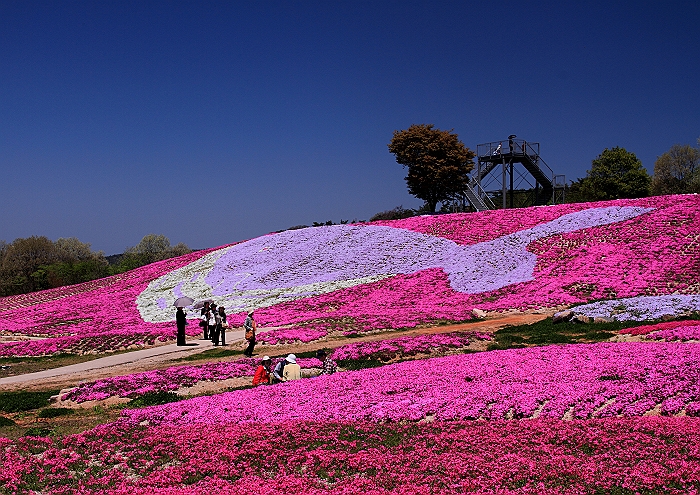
(37, 263)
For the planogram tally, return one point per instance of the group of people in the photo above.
(287, 369)
(214, 325)
(213, 322)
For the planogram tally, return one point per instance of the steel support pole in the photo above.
(511, 183)
(505, 189)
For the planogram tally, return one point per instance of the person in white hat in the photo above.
(292, 371)
(262, 374)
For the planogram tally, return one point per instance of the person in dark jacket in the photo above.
(250, 328)
(181, 321)
(205, 320)
(221, 327)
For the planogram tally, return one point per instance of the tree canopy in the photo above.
(615, 174)
(677, 171)
(37, 262)
(152, 248)
(438, 162)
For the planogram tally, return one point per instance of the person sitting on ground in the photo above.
(292, 371)
(262, 374)
(278, 372)
(329, 366)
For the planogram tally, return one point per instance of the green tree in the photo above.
(677, 171)
(20, 259)
(152, 248)
(616, 173)
(438, 162)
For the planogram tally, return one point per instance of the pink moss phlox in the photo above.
(541, 456)
(666, 325)
(577, 381)
(169, 379)
(407, 346)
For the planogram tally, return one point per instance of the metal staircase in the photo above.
(506, 154)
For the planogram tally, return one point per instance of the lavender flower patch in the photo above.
(301, 263)
(642, 308)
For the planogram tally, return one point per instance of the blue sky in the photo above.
(212, 122)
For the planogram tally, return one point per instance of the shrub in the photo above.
(24, 401)
(6, 421)
(54, 412)
(154, 399)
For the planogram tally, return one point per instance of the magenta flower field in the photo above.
(427, 413)
(624, 379)
(543, 456)
(353, 278)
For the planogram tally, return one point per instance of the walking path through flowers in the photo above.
(155, 357)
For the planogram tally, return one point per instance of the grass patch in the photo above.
(40, 430)
(54, 412)
(154, 399)
(546, 332)
(212, 354)
(24, 401)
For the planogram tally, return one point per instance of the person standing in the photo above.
(262, 374)
(213, 313)
(292, 371)
(204, 320)
(250, 328)
(181, 321)
(214, 334)
(223, 325)
(329, 366)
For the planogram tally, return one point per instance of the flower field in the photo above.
(582, 381)
(169, 379)
(353, 278)
(175, 377)
(424, 415)
(543, 456)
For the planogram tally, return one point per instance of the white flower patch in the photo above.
(307, 262)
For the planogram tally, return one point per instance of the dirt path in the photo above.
(164, 356)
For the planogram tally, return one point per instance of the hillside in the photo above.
(386, 274)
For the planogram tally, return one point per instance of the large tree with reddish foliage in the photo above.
(438, 162)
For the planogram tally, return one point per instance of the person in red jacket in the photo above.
(262, 374)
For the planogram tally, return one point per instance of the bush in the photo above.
(6, 421)
(24, 401)
(40, 430)
(54, 412)
(155, 399)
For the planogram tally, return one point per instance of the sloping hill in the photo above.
(353, 278)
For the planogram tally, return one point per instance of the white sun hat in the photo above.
(292, 359)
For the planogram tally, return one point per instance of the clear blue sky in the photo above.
(212, 122)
